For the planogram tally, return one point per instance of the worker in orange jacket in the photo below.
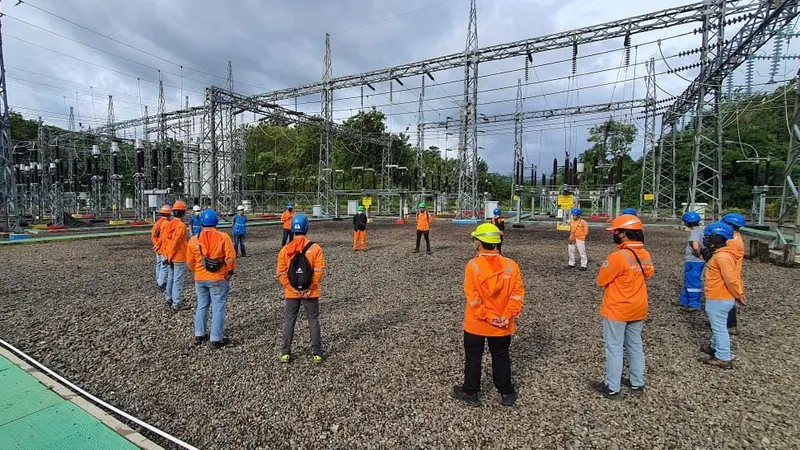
(173, 237)
(155, 238)
(723, 287)
(300, 266)
(423, 227)
(578, 230)
(495, 294)
(624, 307)
(360, 229)
(210, 255)
(286, 219)
(736, 221)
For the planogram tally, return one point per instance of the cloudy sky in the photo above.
(61, 54)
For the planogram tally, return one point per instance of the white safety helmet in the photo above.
(240, 208)
(196, 208)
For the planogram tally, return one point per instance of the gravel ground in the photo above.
(391, 324)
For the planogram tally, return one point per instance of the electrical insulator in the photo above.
(57, 152)
(89, 165)
(75, 173)
(114, 164)
(627, 44)
(60, 171)
(574, 57)
(575, 171)
(169, 156)
(18, 173)
(533, 176)
(139, 161)
(154, 159)
(169, 177)
(527, 70)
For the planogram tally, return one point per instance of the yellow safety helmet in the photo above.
(488, 233)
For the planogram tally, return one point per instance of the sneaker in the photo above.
(162, 287)
(570, 267)
(286, 358)
(508, 399)
(469, 399)
(708, 350)
(198, 340)
(168, 303)
(220, 344)
(582, 269)
(317, 359)
(712, 361)
(602, 387)
(732, 331)
(181, 307)
(415, 251)
(636, 390)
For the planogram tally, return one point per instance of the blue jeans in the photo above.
(628, 335)
(214, 294)
(161, 271)
(174, 283)
(692, 284)
(238, 244)
(717, 312)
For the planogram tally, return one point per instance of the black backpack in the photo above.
(301, 274)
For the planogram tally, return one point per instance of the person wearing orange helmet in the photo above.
(624, 307)
(174, 252)
(155, 238)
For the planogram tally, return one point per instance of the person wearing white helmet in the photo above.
(194, 221)
(239, 231)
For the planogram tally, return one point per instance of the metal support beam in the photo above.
(421, 137)
(325, 195)
(648, 185)
(519, 166)
(8, 185)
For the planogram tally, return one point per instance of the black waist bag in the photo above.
(210, 264)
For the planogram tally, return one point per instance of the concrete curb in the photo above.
(111, 422)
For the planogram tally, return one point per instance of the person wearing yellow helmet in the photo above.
(495, 294)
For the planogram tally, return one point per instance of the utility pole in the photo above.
(324, 195)
(421, 138)
(519, 167)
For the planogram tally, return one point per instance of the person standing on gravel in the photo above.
(723, 288)
(693, 264)
(239, 231)
(286, 219)
(174, 248)
(360, 229)
(500, 223)
(423, 227)
(300, 266)
(155, 238)
(212, 259)
(495, 295)
(736, 221)
(194, 220)
(624, 307)
(578, 230)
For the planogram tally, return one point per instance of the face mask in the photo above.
(617, 239)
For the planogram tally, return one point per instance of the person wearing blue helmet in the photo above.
(736, 221)
(629, 211)
(578, 230)
(300, 266)
(723, 288)
(212, 258)
(286, 219)
(693, 264)
(500, 223)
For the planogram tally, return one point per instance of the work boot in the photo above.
(635, 390)
(508, 399)
(415, 251)
(428, 252)
(732, 331)
(582, 269)
(708, 349)
(168, 303)
(198, 340)
(712, 361)
(220, 344)
(602, 387)
(180, 307)
(470, 399)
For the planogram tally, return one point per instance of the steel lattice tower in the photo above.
(162, 139)
(421, 137)
(648, 185)
(324, 195)
(468, 145)
(8, 185)
(518, 162)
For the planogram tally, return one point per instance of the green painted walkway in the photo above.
(34, 417)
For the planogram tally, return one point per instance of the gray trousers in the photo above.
(311, 306)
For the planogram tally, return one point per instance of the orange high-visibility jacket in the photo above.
(315, 258)
(722, 276)
(625, 297)
(423, 221)
(493, 287)
(173, 239)
(286, 218)
(215, 245)
(737, 246)
(579, 229)
(155, 233)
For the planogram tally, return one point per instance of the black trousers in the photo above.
(427, 240)
(500, 246)
(732, 317)
(501, 363)
(287, 237)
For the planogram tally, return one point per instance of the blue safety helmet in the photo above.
(577, 211)
(691, 217)
(719, 229)
(496, 211)
(734, 219)
(300, 223)
(290, 205)
(208, 218)
(631, 211)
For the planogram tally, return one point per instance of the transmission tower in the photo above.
(648, 185)
(8, 186)
(468, 145)
(324, 195)
(789, 196)
(519, 163)
(706, 178)
(421, 138)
